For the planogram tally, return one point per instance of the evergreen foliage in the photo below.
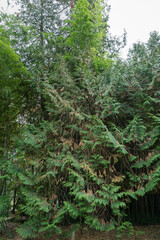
(90, 144)
(4, 208)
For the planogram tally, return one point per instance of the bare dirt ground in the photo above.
(151, 232)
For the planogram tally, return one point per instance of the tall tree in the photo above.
(44, 19)
(65, 170)
(91, 143)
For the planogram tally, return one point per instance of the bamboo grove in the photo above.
(80, 127)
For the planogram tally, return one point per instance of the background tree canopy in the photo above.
(80, 126)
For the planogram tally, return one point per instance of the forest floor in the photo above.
(151, 232)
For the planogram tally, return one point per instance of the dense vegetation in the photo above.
(80, 127)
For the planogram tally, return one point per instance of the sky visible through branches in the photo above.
(137, 17)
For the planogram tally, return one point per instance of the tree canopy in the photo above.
(80, 126)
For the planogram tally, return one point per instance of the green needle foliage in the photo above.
(97, 150)
(90, 145)
(65, 151)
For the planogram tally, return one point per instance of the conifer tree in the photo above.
(91, 143)
(63, 151)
